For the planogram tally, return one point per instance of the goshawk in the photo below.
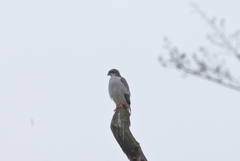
(119, 90)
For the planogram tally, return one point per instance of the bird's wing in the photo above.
(127, 91)
(125, 85)
(127, 97)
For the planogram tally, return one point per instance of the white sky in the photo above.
(55, 56)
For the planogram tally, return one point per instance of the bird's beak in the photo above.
(108, 74)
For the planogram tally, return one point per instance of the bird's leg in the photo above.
(119, 106)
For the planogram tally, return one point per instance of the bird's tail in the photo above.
(128, 108)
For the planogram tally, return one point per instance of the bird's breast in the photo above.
(115, 86)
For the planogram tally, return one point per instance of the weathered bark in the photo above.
(120, 128)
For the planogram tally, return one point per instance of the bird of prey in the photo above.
(119, 90)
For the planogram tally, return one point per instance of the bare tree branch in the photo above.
(204, 64)
(218, 37)
(120, 128)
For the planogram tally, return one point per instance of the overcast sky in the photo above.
(54, 101)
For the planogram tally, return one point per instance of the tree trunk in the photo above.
(120, 129)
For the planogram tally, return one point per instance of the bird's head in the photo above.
(114, 72)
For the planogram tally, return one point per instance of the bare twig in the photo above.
(219, 37)
(204, 64)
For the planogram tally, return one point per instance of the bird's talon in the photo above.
(119, 105)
